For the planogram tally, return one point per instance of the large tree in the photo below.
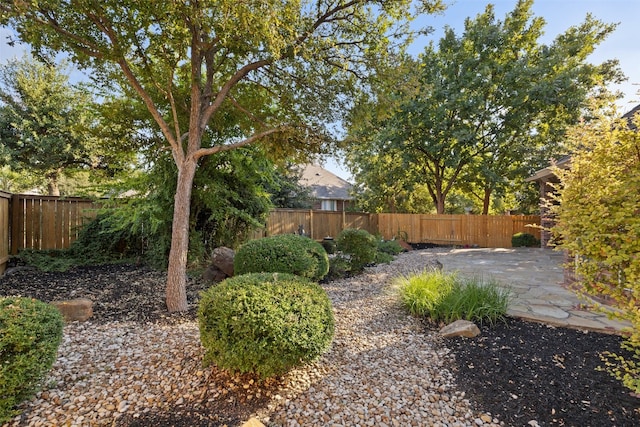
(46, 123)
(486, 103)
(297, 55)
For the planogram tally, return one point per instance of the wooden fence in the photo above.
(5, 198)
(44, 222)
(464, 230)
(489, 231)
(316, 224)
(48, 222)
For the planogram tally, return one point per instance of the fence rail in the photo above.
(45, 222)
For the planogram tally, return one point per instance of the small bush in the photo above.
(329, 245)
(383, 258)
(391, 247)
(338, 268)
(359, 245)
(284, 253)
(524, 240)
(445, 297)
(30, 333)
(266, 323)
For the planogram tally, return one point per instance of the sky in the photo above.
(623, 44)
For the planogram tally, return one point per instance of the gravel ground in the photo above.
(132, 365)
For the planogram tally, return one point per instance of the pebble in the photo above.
(383, 369)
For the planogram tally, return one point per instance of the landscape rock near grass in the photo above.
(460, 328)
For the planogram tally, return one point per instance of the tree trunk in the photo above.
(440, 205)
(52, 184)
(177, 271)
(486, 201)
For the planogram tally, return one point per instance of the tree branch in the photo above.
(221, 148)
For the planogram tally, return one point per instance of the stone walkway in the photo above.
(535, 278)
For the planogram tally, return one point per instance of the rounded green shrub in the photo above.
(524, 239)
(360, 246)
(391, 247)
(265, 323)
(283, 253)
(30, 333)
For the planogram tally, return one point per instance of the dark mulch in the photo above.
(522, 371)
(517, 371)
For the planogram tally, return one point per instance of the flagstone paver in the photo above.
(535, 278)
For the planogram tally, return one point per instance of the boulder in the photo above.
(404, 245)
(460, 328)
(79, 309)
(222, 258)
(213, 274)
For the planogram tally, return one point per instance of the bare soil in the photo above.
(520, 372)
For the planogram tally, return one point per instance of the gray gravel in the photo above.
(383, 369)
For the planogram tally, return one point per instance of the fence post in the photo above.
(311, 234)
(15, 224)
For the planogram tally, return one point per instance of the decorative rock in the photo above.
(460, 328)
(222, 258)
(253, 422)
(404, 245)
(79, 309)
(213, 274)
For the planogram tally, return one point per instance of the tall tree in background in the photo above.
(491, 103)
(190, 60)
(46, 123)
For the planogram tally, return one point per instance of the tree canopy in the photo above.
(270, 71)
(47, 125)
(490, 104)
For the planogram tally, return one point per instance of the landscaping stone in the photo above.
(222, 258)
(213, 274)
(460, 328)
(79, 309)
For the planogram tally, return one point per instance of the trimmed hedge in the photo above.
(360, 246)
(283, 253)
(265, 323)
(30, 333)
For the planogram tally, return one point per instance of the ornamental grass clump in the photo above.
(283, 253)
(446, 297)
(264, 323)
(30, 333)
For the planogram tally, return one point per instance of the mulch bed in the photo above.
(523, 371)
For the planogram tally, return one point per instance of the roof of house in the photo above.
(546, 173)
(629, 117)
(324, 184)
